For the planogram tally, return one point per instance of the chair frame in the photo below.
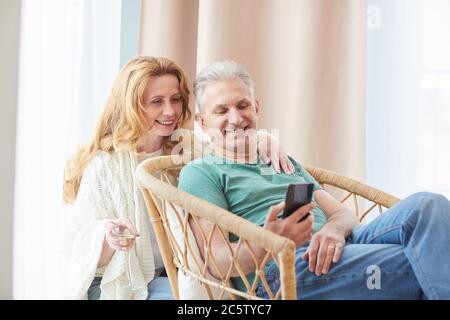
(281, 249)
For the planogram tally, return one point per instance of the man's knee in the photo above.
(430, 198)
(431, 203)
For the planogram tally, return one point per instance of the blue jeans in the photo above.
(402, 254)
(158, 289)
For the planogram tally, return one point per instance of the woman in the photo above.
(148, 102)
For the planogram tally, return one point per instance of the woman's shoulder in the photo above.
(116, 165)
(107, 159)
(103, 156)
(103, 172)
(102, 164)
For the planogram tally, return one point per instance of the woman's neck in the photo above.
(151, 144)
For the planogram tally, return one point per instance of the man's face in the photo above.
(230, 114)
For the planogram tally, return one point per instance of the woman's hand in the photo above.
(120, 234)
(271, 152)
(326, 247)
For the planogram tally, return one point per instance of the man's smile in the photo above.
(236, 131)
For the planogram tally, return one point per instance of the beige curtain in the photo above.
(168, 28)
(307, 58)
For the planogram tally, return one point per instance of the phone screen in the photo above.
(297, 195)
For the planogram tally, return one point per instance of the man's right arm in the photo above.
(220, 250)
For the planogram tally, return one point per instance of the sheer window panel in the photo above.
(434, 112)
(69, 56)
(408, 93)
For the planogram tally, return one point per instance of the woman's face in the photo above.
(163, 104)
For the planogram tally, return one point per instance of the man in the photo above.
(409, 245)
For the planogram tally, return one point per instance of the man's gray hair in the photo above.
(217, 71)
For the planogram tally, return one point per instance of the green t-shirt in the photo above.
(245, 189)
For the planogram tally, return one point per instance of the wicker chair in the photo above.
(161, 195)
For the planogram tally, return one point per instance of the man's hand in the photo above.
(299, 232)
(326, 247)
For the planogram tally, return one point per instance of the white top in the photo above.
(157, 257)
(144, 156)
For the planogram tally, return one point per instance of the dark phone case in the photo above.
(297, 195)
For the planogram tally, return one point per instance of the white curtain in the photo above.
(69, 57)
(408, 96)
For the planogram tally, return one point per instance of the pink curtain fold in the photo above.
(307, 58)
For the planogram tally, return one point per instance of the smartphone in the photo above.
(297, 195)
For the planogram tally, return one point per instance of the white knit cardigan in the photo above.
(107, 191)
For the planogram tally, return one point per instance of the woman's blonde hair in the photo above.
(122, 125)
